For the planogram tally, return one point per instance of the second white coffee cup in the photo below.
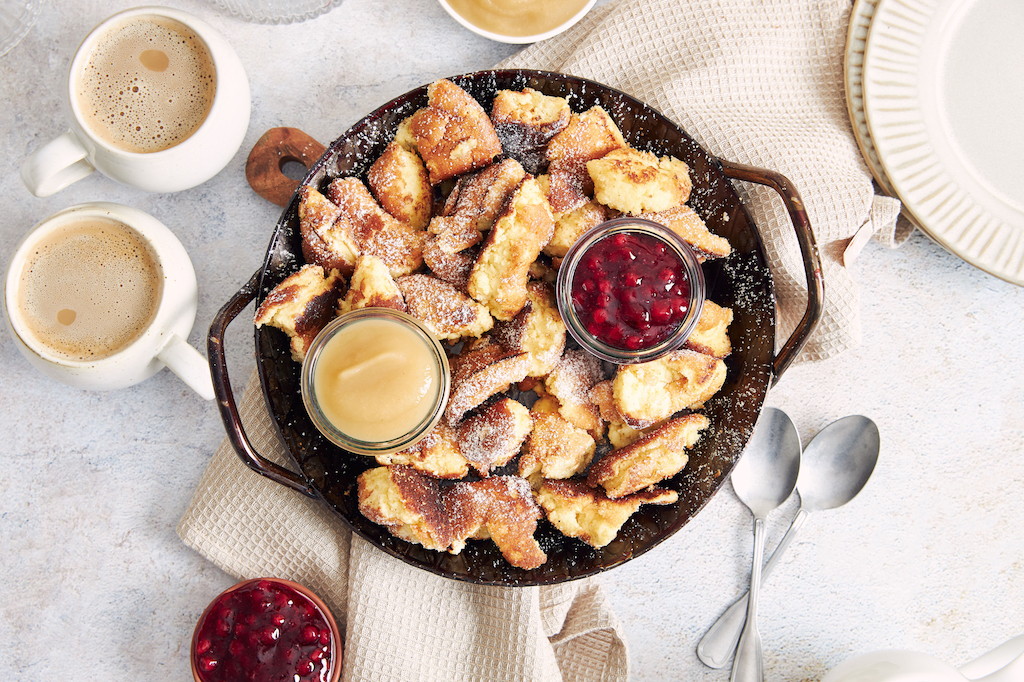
(102, 296)
(157, 99)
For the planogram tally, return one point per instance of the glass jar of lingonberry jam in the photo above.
(265, 630)
(630, 290)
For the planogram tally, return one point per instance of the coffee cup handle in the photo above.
(190, 366)
(56, 165)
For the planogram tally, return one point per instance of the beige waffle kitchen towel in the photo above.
(400, 622)
(759, 82)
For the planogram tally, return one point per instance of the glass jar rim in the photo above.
(572, 259)
(339, 437)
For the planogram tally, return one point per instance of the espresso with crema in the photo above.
(88, 289)
(146, 84)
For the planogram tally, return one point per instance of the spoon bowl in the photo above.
(837, 463)
(833, 469)
(766, 474)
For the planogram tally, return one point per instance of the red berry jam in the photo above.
(630, 290)
(264, 631)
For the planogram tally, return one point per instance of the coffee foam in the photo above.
(99, 275)
(131, 103)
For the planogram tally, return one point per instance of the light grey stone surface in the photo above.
(95, 585)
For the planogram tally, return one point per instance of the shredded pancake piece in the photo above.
(556, 448)
(326, 240)
(443, 309)
(453, 132)
(372, 287)
(580, 511)
(408, 504)
(499, 277)
(491, 439)
(437, 455)
(399, 180)
(654, 457)
(374, 230)
(479, 372)
(649, 392)
(501, 508)
(638, 182)
(301, 305)
(537, 329)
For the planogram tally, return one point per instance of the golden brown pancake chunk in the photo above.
(453, 133)
(453, 234)
(537, 329)
(498, 279)
(444, 310)
(407, 503)
(638, 182)
(479, 372)
(404, 136)
(478, 198)
(437, 455)
(326, 240)
(556, 448)
(656, 456)
(571, 226)
(399, 180)
(501, 508)
(492, 438)
(301, 305)
(567, 185)
(580, 511)
(570, 382)
(589, 135)
(526, 120)
(372, 287)
(374, 230)
(601, 395)
(649, 392)
(685, 222)
(711, 335)
(620, 434)
(453, 268)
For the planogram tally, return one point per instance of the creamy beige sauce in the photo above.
(376, 380)
(517, 17)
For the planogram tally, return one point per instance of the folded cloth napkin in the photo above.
(759, 82)
(400, 622)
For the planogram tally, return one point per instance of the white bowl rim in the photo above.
(518, 40)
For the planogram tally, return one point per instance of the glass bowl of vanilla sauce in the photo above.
(375, 381)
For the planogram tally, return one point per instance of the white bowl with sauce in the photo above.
(517, 21)
(375, 381)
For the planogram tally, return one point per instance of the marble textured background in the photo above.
(95, 585)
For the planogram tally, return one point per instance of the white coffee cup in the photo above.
(97, 140)
(102, 296)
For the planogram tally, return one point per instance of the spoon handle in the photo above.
(748, 666)
(719, 643)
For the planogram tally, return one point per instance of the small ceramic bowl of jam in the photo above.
(375, 381)
(630, 290)
(265, 630)
(517, 21)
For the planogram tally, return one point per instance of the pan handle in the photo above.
(808, 249)
(226, 400)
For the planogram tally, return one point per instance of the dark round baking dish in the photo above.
(742, 281)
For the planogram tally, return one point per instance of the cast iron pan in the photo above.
(742, 282)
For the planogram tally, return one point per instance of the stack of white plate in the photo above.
(936, 96)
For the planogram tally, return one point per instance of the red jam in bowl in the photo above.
(263, 631)
(630, 290)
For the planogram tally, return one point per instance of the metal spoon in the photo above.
(834, 468)
(763, 478)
